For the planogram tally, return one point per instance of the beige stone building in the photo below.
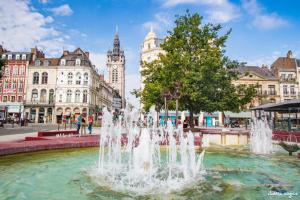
(105, 94)
(41, 87)
(268, 85)
(150, 50)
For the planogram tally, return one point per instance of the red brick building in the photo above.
(13, 82)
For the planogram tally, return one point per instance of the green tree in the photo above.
(195, 57)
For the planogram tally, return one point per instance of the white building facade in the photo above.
(76, 83)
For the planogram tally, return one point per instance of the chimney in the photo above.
(65, 52)
(87, 54)
(33, 50)
(289, 54)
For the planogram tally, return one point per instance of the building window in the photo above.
(14, 85)
(271, 90)
(24, 57)
(20, 98)
(3, 56)
(77, 62)
(84, 100)
(69, 96)
(15, 70)
(259, 89)
(22, 70)
(149, 46)
(46, 63)
(63, 62)
(70, 78)
(85, 79)
(51, 96)
(285, 90)
(77, 96)
(34, 95)
(78, 78)
(17, 57)
(44, 78)
(37, 63)
(43, 96)
(21, 86)
(60, 98)
(12, 98)
(4, 98)
(9, 57)
(292, 89)
(35, 78)
(7, 71)
(6, 85)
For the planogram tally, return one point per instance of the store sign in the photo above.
(14, 109)
(9, 90)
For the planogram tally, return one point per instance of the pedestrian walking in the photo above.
(91, 122)
(83, 126)
(79, 122)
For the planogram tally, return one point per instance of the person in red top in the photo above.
(91, 122)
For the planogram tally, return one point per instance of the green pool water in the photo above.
(231, 174)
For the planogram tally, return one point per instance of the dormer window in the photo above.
(3, 56)
(9, 57)
(24, 57)
(37, 63)
(63, 62)
(17, 57)
(77, 62)
(46, 63)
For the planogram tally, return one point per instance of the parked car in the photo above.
(235, 124)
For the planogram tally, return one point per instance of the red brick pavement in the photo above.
(48, 143)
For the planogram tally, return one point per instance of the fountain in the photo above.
(131, 157)
(261, 137)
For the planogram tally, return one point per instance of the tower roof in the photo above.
(151, 34)
(116, 43)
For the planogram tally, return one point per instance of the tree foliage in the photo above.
(195, 57)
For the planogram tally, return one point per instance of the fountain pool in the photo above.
(230, 174)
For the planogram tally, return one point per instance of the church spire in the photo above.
(116, 48)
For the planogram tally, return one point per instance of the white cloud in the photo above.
(263, 59)
(260, 19)
(99, 60)
(63, 10)
(220, 11)
(21, 27)
(270, 21)
(132, 81)
(161, 21)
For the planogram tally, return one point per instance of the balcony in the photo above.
(38, 102)
(289, 80)
(266, 93)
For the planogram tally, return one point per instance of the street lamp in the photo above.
(176, 95)
(167, 96)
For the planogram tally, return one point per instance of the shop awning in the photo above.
(243, 114)
(287, 106)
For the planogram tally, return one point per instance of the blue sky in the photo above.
(261, 30)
